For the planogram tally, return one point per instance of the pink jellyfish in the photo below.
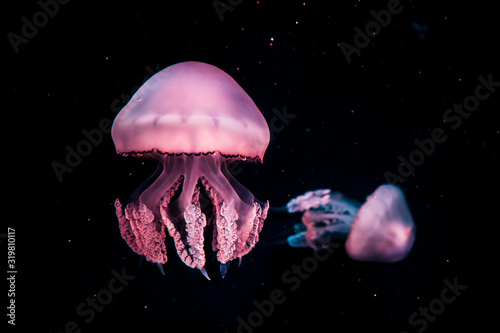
(382, 229)
(193, 118)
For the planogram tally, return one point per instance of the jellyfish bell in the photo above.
(191, 107)
(383, 229)
(194, 119)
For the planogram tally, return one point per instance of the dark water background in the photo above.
(348, 124)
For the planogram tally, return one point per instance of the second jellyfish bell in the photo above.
(194, 119)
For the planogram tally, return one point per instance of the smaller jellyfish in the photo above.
(381, 230)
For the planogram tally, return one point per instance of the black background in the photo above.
(352, 122)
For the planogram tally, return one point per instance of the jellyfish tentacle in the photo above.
(260, 214)
(176, 235)
(226, 232)
(190, 179)
(223, 269)
(226, 216)
(160, 267)
(127, 229)
(195, 221)
(142, 232)
(186, 222)
(237, 223)
(238, 217)
(309, 200)
(153, 236)
(195, 226)
(205, 274)
(131, 218)
(168, 179)
(252, 215)
(328, 216)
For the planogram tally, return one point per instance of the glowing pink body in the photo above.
(191, 107)
(193, 118)
(383, 229)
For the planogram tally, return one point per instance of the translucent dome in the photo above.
(191, 107)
